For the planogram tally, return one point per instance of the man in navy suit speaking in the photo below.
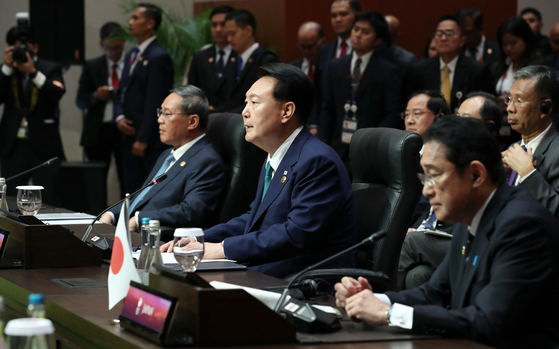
(195, 174)
(303, 211)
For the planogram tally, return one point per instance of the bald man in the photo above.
(485, 107)
(309, 41)
(404, 59)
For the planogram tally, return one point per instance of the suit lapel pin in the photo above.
(233, 59)
(459, 94)
(250, 60)
(463, 250)
(140, 59)
(285, 173)
(211, 60)
(145, 62)
(489, 51)
(283, 179)
(183, 163)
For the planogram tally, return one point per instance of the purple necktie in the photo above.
(513, 173)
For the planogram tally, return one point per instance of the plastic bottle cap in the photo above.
(181, 232)
(145, 220)
(36, 298)
(29, 327)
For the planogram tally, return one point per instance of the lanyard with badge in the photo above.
(23, 131)
(349, 125)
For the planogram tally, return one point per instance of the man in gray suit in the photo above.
(534, 162)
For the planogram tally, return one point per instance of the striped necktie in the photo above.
(143, 193)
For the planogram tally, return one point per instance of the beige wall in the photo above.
(97, 12)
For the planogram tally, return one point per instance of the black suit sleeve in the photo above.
(87, 86)
(53, 73)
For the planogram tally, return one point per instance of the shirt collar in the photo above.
(364, 59)
(451, 65)
(275, 160)
(227, 49)
(479, 214)
(479, 48)
(248, 52)
(142, 47)
(179, 152)
(533, 144)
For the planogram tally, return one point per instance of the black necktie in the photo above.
(356, 75)
(220, 65)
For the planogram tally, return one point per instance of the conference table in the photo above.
(82, 319)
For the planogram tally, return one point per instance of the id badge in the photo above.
(348, 129)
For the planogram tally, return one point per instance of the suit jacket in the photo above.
(491, 55)
(94, 75)
(511, 275)
(543, 184)
(378, 99)
(306, 215)
(140, 94)
(191, 191)
(202, 73)
(469, 76)
(238, 86)
(43, 120)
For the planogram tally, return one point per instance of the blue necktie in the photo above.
(429, 223)
(239, 66)
(134, 55)
(143, 193)
(267, 178)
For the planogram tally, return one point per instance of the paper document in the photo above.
(268, 298)
(64, 216)
(169, 258)
(70, 222)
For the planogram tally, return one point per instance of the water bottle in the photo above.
(36, 307)
(30, 333)
(3, 194)
(143, 267)
(154, 255)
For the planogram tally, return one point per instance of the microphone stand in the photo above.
(33, 169)
(156, 180)
(375, 236)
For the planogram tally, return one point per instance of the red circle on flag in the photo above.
(117, 256)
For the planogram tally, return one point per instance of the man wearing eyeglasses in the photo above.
(533, 163)
(100, 78)
(309, 41)
(194, 169)
(498, 283)
(450, 72)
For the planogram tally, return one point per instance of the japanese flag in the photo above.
(122, 269)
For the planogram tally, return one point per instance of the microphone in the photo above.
(33, 169)
(311, 319)
(101, 242)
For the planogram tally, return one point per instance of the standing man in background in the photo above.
(214, 61)
(146, 80)
(30, 89)
(99, 80)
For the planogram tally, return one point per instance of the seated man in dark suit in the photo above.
(208, 67)
(195, 175)
(532, 102)
(30, 91)
(477, 46)
(502, 267)
(360, 90)
(450, 71)
(100, 77)
(240, 26)
(303, 211)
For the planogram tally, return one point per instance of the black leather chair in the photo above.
(242, 160)
(385, 163)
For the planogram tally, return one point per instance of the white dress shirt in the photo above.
(276, 159)
(108, 116)
(248, 52)
(349, 49)
(452, 66)
(479, 51)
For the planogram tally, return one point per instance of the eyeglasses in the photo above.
(167, 116)
(449, 33)
(430, 179)
(416, 114)
(519, 102)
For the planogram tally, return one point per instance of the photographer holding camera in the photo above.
(30, 89)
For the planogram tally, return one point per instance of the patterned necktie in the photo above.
(445, 87)
(513, 174)
(239, 66)
(429, 223)
(343, 49)
(114, 77)
(134, 55)
(143, 193)
(267, 178)
(220, 65)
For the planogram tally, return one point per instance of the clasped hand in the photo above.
(211, 250)
(518, 159)
(358, 300)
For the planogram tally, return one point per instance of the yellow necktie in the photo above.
(445, 87)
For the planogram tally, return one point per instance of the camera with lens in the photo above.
(23, 30)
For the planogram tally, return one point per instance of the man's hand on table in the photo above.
(358, 300)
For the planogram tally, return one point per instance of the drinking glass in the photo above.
(188, 247)
(29, 199)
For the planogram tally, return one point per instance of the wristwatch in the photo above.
(388, 311)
